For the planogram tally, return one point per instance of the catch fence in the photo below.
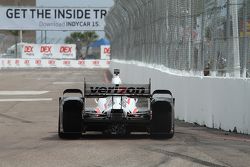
(207, 37)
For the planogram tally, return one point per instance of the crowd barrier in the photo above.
(47, 63)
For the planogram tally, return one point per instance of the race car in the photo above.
(120, 109)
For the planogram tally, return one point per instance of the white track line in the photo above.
(65, 83)
(23, 92)
(26, 100)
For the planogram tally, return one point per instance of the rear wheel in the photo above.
(63, 135)
(71, 125)
(162, 122)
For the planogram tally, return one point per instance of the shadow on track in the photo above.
(99, 136)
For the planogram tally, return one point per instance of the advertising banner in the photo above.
(48, 63)
(105, 52)
(46, 18)
(48, 51)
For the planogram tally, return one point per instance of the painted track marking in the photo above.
(65, 83)
(26, 100)
(23, 92)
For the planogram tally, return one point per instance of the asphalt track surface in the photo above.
(28, 131)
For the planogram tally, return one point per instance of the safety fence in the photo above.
(210, 37)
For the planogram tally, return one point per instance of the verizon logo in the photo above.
(118, 90)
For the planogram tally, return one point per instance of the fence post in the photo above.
(228, 37)
(245, 41)
(236, 53)
(202, 37)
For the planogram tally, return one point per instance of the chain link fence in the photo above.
(208, 37)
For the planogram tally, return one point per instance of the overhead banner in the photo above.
(45, 18)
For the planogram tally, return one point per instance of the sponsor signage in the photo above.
(48, 51)
(111, 89)
(46, 18)
(117, 90)
(105, 51)
(47, 63)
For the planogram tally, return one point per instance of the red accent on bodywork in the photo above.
(135, 110)
(128, 101)
(97, 110)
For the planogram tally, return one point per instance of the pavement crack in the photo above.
(162, 162)
(15, 118)
(185, 157)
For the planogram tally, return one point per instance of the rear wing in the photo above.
(130, 90)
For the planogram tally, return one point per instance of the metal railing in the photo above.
(210, 37)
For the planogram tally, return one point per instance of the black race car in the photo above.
(120, 110)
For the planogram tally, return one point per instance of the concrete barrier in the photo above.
(222, 103)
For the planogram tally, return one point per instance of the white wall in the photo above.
(215, 102)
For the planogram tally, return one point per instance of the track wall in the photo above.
(221, 103)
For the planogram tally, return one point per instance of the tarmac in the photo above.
(28, 131)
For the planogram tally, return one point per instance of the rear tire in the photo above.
(71, 120)
(63, 135)
(162, 122)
